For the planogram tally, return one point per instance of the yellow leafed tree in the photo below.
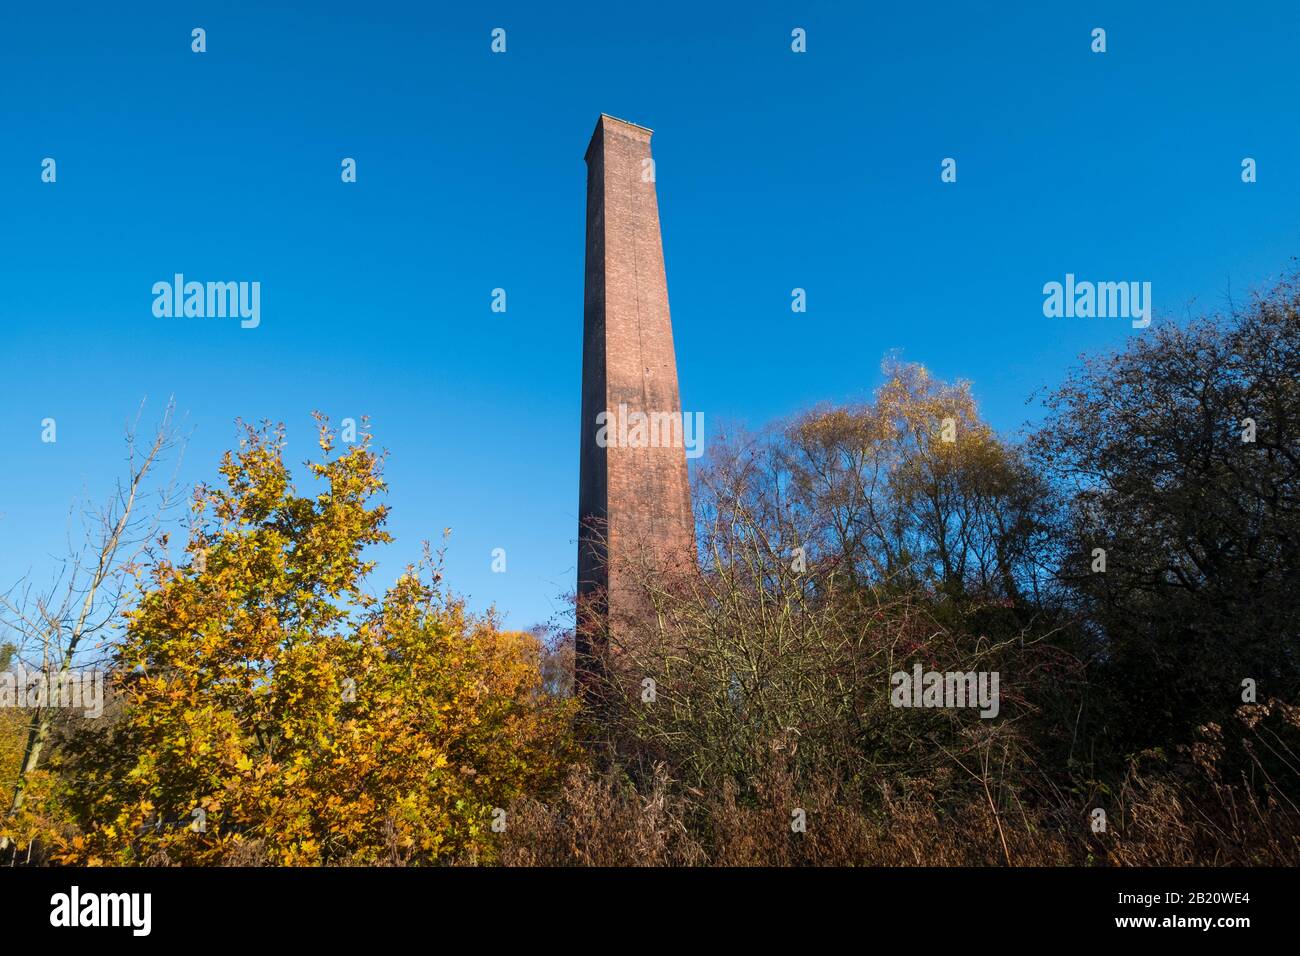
(270, 710)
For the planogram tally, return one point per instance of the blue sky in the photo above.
(775, 170)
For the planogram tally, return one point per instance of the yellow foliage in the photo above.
(270, 701)
(14, 724)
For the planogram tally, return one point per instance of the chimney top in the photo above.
(635, 130)
(607, 116)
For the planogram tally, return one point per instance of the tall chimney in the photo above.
(634, 503)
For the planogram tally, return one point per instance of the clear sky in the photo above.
(775, 170)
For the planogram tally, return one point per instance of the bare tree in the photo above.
(70, 624)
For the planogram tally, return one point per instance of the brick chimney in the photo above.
(634, 503)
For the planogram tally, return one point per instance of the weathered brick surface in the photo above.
(632, 502)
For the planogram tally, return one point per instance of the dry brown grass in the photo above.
(1179, 812)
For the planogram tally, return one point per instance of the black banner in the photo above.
(179, 906)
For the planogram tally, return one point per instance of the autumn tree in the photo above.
(274, 710)
(1180, 457)
(912, 489)
(835, 550)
